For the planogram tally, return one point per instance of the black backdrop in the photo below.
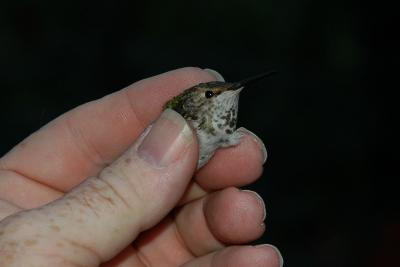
(327, 118)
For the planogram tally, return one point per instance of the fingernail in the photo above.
(216, 74)
(167, 139)
(276, 250)
(260, 200)
(258, 141)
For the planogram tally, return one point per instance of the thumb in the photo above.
(104, 214)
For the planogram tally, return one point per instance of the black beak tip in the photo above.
(252, 79)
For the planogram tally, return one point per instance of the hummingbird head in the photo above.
(216, 97)
(204, 97)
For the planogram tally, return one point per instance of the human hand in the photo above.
(53, 215)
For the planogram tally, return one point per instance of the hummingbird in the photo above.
(211, 109)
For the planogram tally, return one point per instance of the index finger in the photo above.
(83, 141)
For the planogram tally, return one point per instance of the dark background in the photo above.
(327, 118)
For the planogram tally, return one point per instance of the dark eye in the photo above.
(209, 94)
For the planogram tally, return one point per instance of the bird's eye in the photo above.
(209, 94)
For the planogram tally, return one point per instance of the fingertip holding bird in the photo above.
(258, 140)
(168, 138)
(216, 74)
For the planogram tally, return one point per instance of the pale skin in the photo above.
(140, 206)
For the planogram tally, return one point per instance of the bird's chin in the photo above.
(238, 90)
(232, 93)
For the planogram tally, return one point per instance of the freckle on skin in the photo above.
(58, 244)
(128, 160)
(30, 242)
(8, 260)
(12, 243)
(110, 200)
(55, 227)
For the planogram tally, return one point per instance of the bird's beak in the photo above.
(235, 87)
(242, 83)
